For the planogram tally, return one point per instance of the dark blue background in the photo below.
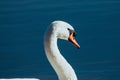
(22, 27)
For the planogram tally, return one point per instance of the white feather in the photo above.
(58, 29)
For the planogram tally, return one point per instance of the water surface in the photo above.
(22, 27)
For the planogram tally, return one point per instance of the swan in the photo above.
(59, 30)
(20, 79)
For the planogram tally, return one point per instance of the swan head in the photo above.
(65, 31)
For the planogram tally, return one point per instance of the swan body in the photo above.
(21, 79)
(59, 30)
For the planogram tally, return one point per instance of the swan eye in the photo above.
(72, 31)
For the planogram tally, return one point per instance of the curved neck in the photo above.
(60, 65)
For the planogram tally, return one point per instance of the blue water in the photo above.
(22, 27)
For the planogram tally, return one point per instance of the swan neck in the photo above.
(58, 62)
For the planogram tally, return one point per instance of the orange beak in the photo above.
(73, 41)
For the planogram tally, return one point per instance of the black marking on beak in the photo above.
(72, 31)
(72, 38)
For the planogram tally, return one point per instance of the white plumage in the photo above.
(61, 30)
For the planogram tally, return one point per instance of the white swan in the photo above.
(62, 30)
(20, 79)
